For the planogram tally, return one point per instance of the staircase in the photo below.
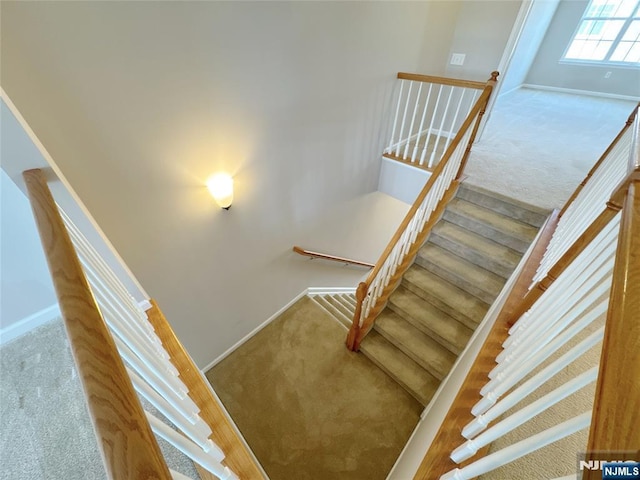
(444, 295)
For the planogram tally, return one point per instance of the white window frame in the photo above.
(606, 61)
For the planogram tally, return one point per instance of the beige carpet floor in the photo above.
(310, 409)
(538, 145)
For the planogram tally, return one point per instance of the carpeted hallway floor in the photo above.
(309, 408)
(538, 145)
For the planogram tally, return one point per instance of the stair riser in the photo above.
(409, 353)
(487, 231)
(349, 301)
(457, 280)
(331, 310)
(338, 305)
(449, 310)
(503, 269)
(516, 212)
(424, 329)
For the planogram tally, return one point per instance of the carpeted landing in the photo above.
(308, 407)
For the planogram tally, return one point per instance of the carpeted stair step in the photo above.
(447, 297)
(411, 376)
(332, 310)
(510, 207)
(475, 248)
(500, 228)
(430, 320)
(469, 277)
(421, 348)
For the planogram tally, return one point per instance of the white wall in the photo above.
(533, 32)
(401, 181)
(26, 292)
(481, 33)
(546, 69)
(138, 102)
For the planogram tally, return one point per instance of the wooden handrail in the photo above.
(616, 410)
(357, 331)
(395, 280)
(602, 158)
(128, 447)
(427, 188)
(456, 82)
(237, 457)
(326, 256)
(436, 461)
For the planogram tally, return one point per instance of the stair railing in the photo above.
(428, 114)
(334, 258)
(373, 293)
(602, 278)
(585, 204)
(118, 351)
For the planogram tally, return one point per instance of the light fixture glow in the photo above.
(221, 188)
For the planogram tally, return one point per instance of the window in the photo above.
(609, 32)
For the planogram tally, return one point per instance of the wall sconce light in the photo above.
(221, 188)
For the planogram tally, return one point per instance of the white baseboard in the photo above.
(507, 92)
(579, 92)
(311, 291)
(27, 324)
(252, 332)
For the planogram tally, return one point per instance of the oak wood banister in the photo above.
(326, 256)
(616, 409)
(237, 456)
(425, 190)
(128, 447)
(441, 80)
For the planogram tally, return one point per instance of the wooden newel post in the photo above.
(488, 89)
(352, 338)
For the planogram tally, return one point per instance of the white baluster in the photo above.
(420, 130)
(471, 447)
(164, 385)
(559, 308)
(520, 449)
(404, 120)
(413, 119)
(444, 116)
(433, 116)
(452, 129)
(505, 381)
(208, 460)
(195, 428)
(481, 421)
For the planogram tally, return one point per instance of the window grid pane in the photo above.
(600, 35)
